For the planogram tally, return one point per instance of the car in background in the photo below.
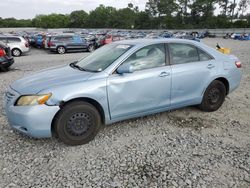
(66, 43)
(39, 40)
(188, 37)
(18, 45)
(6, 60)
(121, 80)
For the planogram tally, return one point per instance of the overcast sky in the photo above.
(30, 8)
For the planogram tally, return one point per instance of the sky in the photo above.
(24, 9)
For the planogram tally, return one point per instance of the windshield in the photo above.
(103, 57)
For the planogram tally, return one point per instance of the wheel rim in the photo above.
(16, 52)
(61, 50)
(214, 96)
(91, 48)
(79, 124)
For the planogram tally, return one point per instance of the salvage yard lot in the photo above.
(182, 148)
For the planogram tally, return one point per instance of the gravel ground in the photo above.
(182, 148)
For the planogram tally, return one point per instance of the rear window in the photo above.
(13, 39)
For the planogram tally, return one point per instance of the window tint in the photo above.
(101, 58)
(12, 40)
(148, 57)
(63, 38)
(204, 56)
(3, 39)
(183, 53)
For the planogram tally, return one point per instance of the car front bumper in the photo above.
(6, 62)
(34, 121)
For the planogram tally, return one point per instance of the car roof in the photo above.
(154, 41)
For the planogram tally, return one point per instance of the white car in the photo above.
(18, 45)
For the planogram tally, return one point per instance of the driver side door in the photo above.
(146, 89)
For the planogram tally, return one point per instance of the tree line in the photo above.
(158, 14)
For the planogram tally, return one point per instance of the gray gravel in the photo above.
(182, 148)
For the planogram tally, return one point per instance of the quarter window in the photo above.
(148, 57)
(3, 39)
(204, 56)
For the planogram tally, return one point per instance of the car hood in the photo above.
(48, 78)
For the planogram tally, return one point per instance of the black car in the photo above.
(6, 60)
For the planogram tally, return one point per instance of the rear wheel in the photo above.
(61, 50)
(77, 123)
(16, 52)
(214, 96)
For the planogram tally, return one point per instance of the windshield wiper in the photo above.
(74, 65)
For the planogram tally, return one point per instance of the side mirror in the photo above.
(125, 68)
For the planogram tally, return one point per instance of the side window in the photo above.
(183, 53)
(204, 56)
(13, 40)
(3, 39)
(148, 57)
(77, 39)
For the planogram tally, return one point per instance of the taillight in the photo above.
(2, 52)
(26, 44)
(238, 64)
(50, 44)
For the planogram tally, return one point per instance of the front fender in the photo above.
(92, 89)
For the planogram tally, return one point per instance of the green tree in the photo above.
(78, 19)
(101, 17)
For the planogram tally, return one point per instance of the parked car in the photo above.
(6, 60)
(65, 43)
(122, 80)
(189, 37)
(18, 45)
(39, 40)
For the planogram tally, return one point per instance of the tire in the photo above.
(214, 97)
(16, 52)
(91, 48)
(77, 123)
(61, 50)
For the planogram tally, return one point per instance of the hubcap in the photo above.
(214, 95)
(91, 48)
(78, 124)
(61, 50)
(16, 52)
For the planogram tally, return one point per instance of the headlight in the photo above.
(29, 100)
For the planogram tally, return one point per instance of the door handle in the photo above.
(210, 66)
(164, 74)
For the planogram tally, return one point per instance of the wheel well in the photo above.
(61, 46)
(85, 99)
(225, 82)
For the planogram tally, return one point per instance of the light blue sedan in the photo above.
(122, 80)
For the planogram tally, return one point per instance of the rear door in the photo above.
(192, 68)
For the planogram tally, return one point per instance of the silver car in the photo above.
(18, 45)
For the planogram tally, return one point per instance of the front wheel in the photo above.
(77, 123)
(214, 96)
(91, 48)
